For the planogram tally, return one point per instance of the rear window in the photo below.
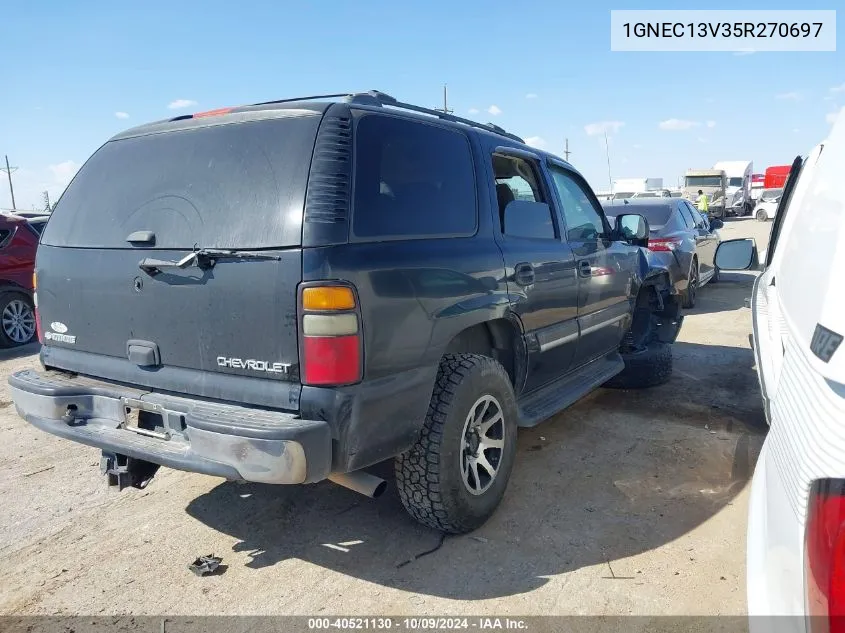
(412, 179)
(656, 215)
(229, 185)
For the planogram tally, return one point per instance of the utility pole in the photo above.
(9, 171)
(607, 149)
(566, 152)
(47, 201)
(445, 109)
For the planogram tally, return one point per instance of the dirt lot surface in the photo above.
(627, 503)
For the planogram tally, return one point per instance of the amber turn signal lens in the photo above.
(328, 298)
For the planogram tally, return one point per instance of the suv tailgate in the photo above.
(226, 332)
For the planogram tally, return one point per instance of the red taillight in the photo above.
(824, 557)
(663, 244)
(331, 336)
(331, 360)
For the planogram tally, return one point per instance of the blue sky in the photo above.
(79, 72)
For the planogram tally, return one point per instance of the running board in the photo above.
(564, 392)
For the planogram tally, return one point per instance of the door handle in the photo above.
(584, 268)
(523, 274)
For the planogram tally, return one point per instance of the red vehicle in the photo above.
(18, 243)
(776, 176)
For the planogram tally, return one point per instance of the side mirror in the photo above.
(633, 228)
(716, 223)
(737, 255)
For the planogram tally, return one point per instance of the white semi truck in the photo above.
(739, 174)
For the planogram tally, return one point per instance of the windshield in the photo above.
(703, 181)
(770, 195)
(218, 186)
(734, 182)
(622, 194)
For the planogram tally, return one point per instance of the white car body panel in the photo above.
(804, 396)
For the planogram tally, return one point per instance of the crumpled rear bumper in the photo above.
(220, 439)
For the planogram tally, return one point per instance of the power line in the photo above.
(9, 171)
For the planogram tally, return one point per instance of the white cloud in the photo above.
(181, 103)
(831, 117)
(531, 95)
(63, 172)
(711, 124)
(603, 127)
(744, 51)
(676, 125)
(839, 88)
(494, 110)
(536, 141)
(473, 110)
(789, 96)
(701, 139)
(121, 115)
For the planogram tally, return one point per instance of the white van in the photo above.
(796, 521)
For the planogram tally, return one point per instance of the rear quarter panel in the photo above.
(415, 296)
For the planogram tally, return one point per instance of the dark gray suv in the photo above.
(294, 291)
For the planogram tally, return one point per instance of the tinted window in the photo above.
(690, 217)
(412, 179)
(734, 182)
(522, 208)
(656, 215)
(225, 185)
(584, 221)
(38, 227)
(5, 237)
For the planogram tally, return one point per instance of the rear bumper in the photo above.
(223, 440)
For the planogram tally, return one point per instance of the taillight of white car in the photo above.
(824, 557)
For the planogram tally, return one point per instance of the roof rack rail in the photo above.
(381, 99)
(378, 98)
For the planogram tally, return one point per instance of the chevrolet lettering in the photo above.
(255, 365)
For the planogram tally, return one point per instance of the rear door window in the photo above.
(412, 179)
(226, 185)
(687, 215)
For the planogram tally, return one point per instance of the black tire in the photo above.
(762, 216)
(691, 293)
(647, 368)
(430, 476)
(14, 333)
(716, 275)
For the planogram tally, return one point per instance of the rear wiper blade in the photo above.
(202, 258)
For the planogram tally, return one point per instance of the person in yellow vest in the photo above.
(702, 201)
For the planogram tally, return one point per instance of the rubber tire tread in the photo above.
(431, 495)
(649, 368)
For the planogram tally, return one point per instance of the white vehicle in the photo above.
(796, 517)
(738, 190)
(767, 207)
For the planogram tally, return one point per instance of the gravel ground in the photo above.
(627, 503)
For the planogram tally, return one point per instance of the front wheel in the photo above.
(762, 216)
(455, 476)
(648, 367)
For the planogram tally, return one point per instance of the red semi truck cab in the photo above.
(776, 176)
